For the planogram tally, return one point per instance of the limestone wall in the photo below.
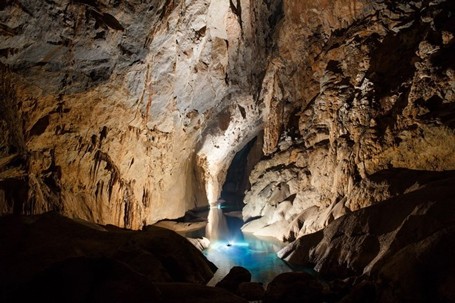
(126, 113)
(117, 103)
(354, 91)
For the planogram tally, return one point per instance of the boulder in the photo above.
(360, 242)
(200, 243)
(234, 278)
(423, 271)
(251, 291)
(86, 279)
(193, 293)
(53, 248)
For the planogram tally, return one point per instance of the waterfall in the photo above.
(216, 229)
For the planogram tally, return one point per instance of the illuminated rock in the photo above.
(400, 247)
(355, 88)
(128, 118)
(127, 113)
(363, 240)
(130, 112)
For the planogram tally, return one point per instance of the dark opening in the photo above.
(237, 178)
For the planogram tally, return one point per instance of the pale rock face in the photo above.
(116, 108)
(354, 88)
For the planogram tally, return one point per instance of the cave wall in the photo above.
(114, 107)
(126, 113)
(354, 91)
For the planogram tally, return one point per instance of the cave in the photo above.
(325, 129)
(236, 182)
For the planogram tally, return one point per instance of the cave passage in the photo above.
(229, 246)
(237, 182)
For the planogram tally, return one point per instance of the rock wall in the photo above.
(354, 89)
(126, 113)
(399, 249)
(112, 110)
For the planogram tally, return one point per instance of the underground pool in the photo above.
(229, 247)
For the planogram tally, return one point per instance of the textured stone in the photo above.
(398, 250)
(361, 242)
(126, 118)
(354, 88)
(127, 113)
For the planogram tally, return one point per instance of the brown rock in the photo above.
(114, 112)
(123, 118)
(358, 95)
(421, 272)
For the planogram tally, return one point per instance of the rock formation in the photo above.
(55, 258)
(402, 246)
(127, 113)
(354, 88)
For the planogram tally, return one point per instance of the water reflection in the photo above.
(256, 255)
(217, 228)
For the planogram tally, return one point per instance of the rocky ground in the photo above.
(399, 250)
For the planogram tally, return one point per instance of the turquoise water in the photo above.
(256, 255)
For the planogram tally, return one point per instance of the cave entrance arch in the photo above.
(237, 176)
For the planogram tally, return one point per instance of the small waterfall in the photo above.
(216, 229)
